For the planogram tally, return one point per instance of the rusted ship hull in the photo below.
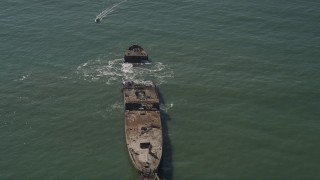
(143, 127)
(135, 54)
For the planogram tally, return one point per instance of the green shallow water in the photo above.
(240, 81)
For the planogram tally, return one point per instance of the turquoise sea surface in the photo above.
(240, 82)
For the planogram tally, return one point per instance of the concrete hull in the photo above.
(136, 55)
(143, 128)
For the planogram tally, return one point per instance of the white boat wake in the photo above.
(107, 11)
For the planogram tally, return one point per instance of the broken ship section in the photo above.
(143, 127)
(135, 54)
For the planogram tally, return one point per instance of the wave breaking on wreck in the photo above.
(113, 71)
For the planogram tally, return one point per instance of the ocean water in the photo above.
(240, 82)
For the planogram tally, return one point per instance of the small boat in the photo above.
(136, 55)
(97, 20)
(143, 127)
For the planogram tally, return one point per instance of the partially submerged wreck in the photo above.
(136, 55)
(143, 127)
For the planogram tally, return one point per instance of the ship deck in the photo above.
(143, 126)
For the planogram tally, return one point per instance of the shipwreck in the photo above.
(143, 128)
(135, 54)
